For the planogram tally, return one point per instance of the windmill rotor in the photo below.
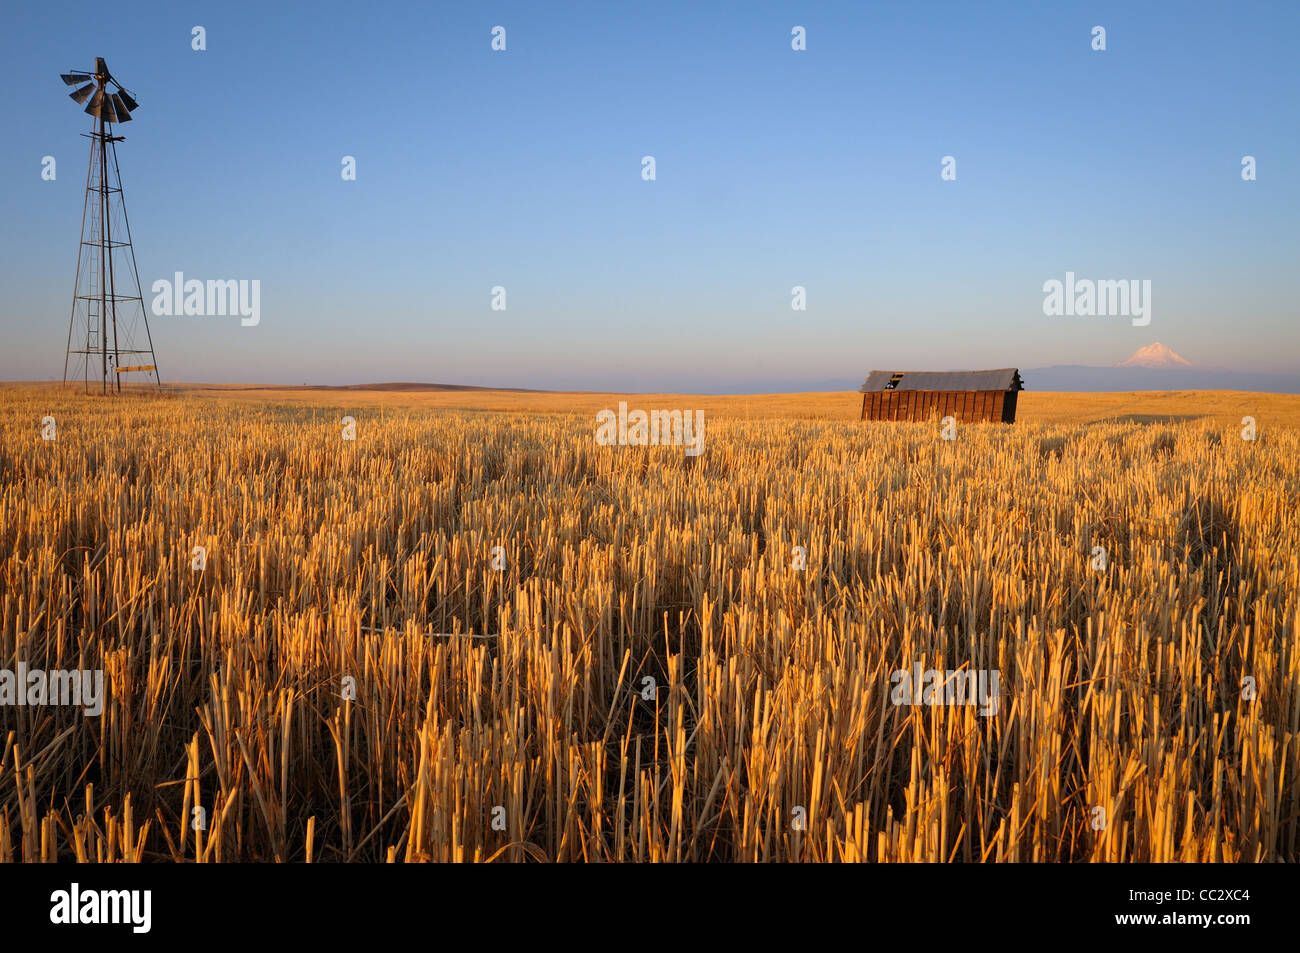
(107, 104)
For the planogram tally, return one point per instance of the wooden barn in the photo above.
(969, 396)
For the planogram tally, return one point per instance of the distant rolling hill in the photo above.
(1154, 367)
(411, 386)
(383, 386)
(1076, 377)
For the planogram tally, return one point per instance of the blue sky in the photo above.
(775, 168)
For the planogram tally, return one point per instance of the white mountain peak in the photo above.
(1155, 355)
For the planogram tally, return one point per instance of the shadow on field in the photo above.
(1152, 418)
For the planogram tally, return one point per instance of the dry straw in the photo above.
(329, 560)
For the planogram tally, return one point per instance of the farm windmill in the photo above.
(107, 307)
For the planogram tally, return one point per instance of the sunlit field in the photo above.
(472, 633)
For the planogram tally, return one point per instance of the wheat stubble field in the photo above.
(349, 678)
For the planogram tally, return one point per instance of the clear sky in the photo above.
(774, 168)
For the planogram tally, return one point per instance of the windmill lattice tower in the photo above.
(108, 315)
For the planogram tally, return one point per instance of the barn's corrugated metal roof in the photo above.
(1005, 378)
(877, 380)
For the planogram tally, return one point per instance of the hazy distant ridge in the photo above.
(1076, 377)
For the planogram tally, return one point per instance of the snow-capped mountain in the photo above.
(1155, 355)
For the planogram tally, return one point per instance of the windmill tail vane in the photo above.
(108, 333)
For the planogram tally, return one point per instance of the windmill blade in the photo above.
(72, 79)
(123, 114)
(130, 103)
(110, 112)
(81, 95)
(101, 68)
(96, 106)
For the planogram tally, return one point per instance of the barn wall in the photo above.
(967, 406)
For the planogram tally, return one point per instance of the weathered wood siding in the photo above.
(967, 406)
